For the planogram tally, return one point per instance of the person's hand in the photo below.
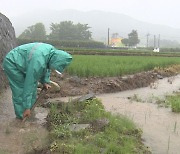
(46, 86)
(27, 113)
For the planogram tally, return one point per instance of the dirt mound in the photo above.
(73, 85)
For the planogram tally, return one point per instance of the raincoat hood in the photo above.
(59, 60)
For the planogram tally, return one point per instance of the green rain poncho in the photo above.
(26, 65)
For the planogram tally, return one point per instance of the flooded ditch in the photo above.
(161, 127)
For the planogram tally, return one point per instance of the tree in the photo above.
(66, 30)
(82, 32)
(36, 31)
(133, 38)
(125, 41)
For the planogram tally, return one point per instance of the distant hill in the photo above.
(100, 21)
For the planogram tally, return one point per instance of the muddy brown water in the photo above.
(160, 126)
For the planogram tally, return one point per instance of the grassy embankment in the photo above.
(117, 135)
(86, 66)
(137, 52)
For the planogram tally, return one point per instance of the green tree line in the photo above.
(70, 35)
(65, 30)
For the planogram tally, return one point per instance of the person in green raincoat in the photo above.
(27, 64)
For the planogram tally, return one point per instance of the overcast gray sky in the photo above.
(164, 12)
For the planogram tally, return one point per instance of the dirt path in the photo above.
(16, 137)
(160, 126)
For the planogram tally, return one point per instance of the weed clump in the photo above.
(97, 131)
(174, 101)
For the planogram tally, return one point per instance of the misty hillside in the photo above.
(100, 21)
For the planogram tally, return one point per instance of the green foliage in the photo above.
(174, 101)
(59, 117)
(36, 31)
(119, 136)
(92, 111)
(63, 43)
(125, 41)
(133, 38)
(87, 66)
(66, 30)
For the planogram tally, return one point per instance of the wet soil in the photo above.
(18, 137)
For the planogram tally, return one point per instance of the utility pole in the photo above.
(147, 40)
(108, 36)
(159, 41)
(154, 41)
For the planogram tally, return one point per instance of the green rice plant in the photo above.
(174, 101)
(104, 66)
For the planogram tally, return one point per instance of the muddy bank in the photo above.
(73, 86)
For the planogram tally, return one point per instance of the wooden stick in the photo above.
(38, 101)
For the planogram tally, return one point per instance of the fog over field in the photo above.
(153, 17)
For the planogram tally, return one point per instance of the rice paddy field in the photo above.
(109, 66)
(123, 51)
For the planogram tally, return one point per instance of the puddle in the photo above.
(18, 137)
(161, 127)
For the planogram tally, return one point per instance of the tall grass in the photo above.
(86, 66)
